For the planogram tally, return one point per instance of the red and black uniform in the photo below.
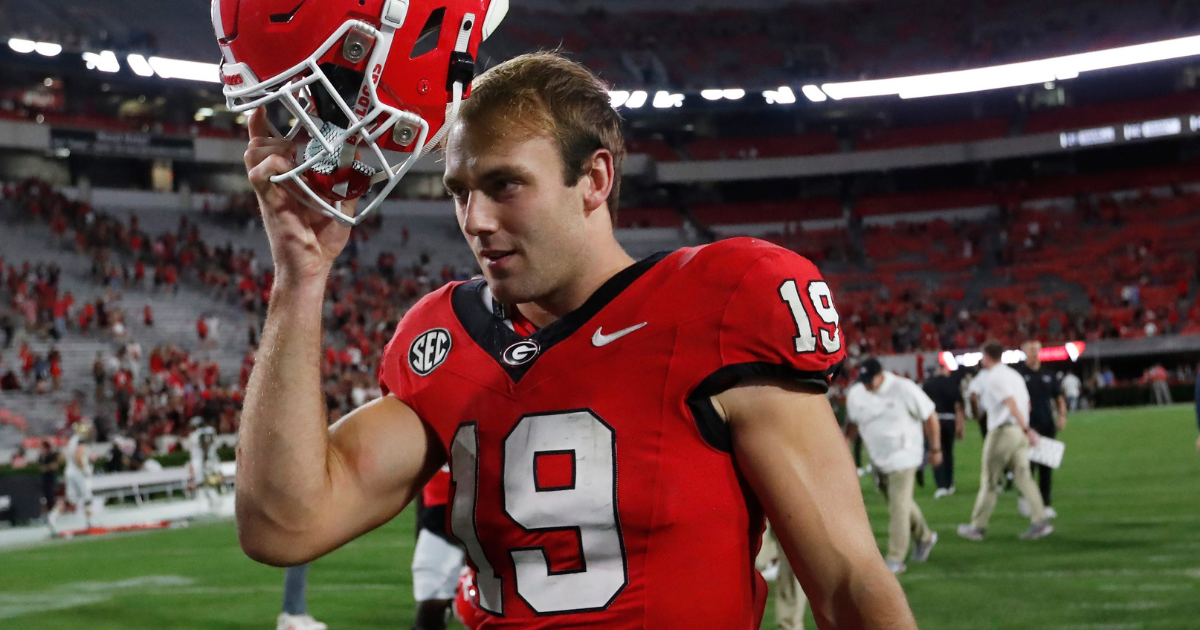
(592, 480)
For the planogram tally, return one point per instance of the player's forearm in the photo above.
(870, 600)
(282, 478)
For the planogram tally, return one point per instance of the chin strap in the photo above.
(462, 70)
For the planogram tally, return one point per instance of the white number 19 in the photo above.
(822, 301)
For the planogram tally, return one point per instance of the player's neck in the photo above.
(606, 261)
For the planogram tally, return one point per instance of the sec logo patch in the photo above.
(429, 350)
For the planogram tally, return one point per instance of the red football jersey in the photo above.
(591, 479)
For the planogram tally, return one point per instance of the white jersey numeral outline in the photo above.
(588, 506)
(821, 298)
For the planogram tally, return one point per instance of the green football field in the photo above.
(1126, 555)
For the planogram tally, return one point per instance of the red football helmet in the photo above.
(360, 77)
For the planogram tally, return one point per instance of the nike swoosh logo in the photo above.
(600, 339)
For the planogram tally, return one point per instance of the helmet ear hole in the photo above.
(430, 33)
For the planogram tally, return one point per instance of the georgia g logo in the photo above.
(429, 350)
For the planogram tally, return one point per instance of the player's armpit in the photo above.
(379, 457)
(788, 446)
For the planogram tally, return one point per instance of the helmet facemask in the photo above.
(334, 105)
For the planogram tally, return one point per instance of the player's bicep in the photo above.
(381, 455)
(788, 446)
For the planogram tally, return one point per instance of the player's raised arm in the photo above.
(787, 444)
(304, 489)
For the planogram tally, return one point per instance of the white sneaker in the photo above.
(862, 472)
(942, 492)
(896, 567)
(298, 622)
(1024, 508)
(920, 552)
(1051, 512)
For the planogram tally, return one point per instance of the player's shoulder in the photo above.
(424, 336)
(731, 259)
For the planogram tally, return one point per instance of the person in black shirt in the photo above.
(49, 462)
(943, 389)
(1045, 398)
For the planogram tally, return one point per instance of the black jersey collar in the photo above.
(517, 354)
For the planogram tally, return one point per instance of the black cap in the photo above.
(868, 370)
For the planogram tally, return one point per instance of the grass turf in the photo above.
(1125, 556)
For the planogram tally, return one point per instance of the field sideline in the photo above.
(1126, 555)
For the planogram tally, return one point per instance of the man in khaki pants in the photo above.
(790, 600)
(889, 412)
(999, 391)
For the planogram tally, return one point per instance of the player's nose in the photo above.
(478, 216)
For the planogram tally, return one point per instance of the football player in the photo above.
(615, 429)
(78, 477)
(437, 559)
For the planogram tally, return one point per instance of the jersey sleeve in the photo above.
(779, 322)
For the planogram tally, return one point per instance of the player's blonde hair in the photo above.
(546, 93)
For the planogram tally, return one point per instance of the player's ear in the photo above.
(597, 179)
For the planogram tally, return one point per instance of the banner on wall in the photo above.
(127, 144)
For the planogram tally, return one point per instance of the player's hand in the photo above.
(1032, 435)
(1062, 423)
(304, 242)
(935, 458)
(960, 431)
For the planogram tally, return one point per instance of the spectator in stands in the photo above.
(148, 316)
(99, 375)
(9, 327)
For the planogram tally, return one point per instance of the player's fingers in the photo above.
(255, 155)
(256, 124)
(274, 164)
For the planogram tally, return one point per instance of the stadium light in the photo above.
(782, 96)
(617, 98)
(23, 46)
(190, 70)
(712, 95)
(636, 99)
(139, 65)
(104, 61)
(47, 49)
(814, 94)
(1016, 74)
(733, 94)
(666, 100)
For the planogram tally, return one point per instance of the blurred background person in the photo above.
(1072, 389)
(889, 412)
(999, 391)
(1047, 415)
(942, 388)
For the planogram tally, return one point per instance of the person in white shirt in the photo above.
(999, 391)
(78, 477)
(1071, 388)
(889, 412)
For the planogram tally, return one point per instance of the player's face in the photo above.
(1031, 349)
(523, 223)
